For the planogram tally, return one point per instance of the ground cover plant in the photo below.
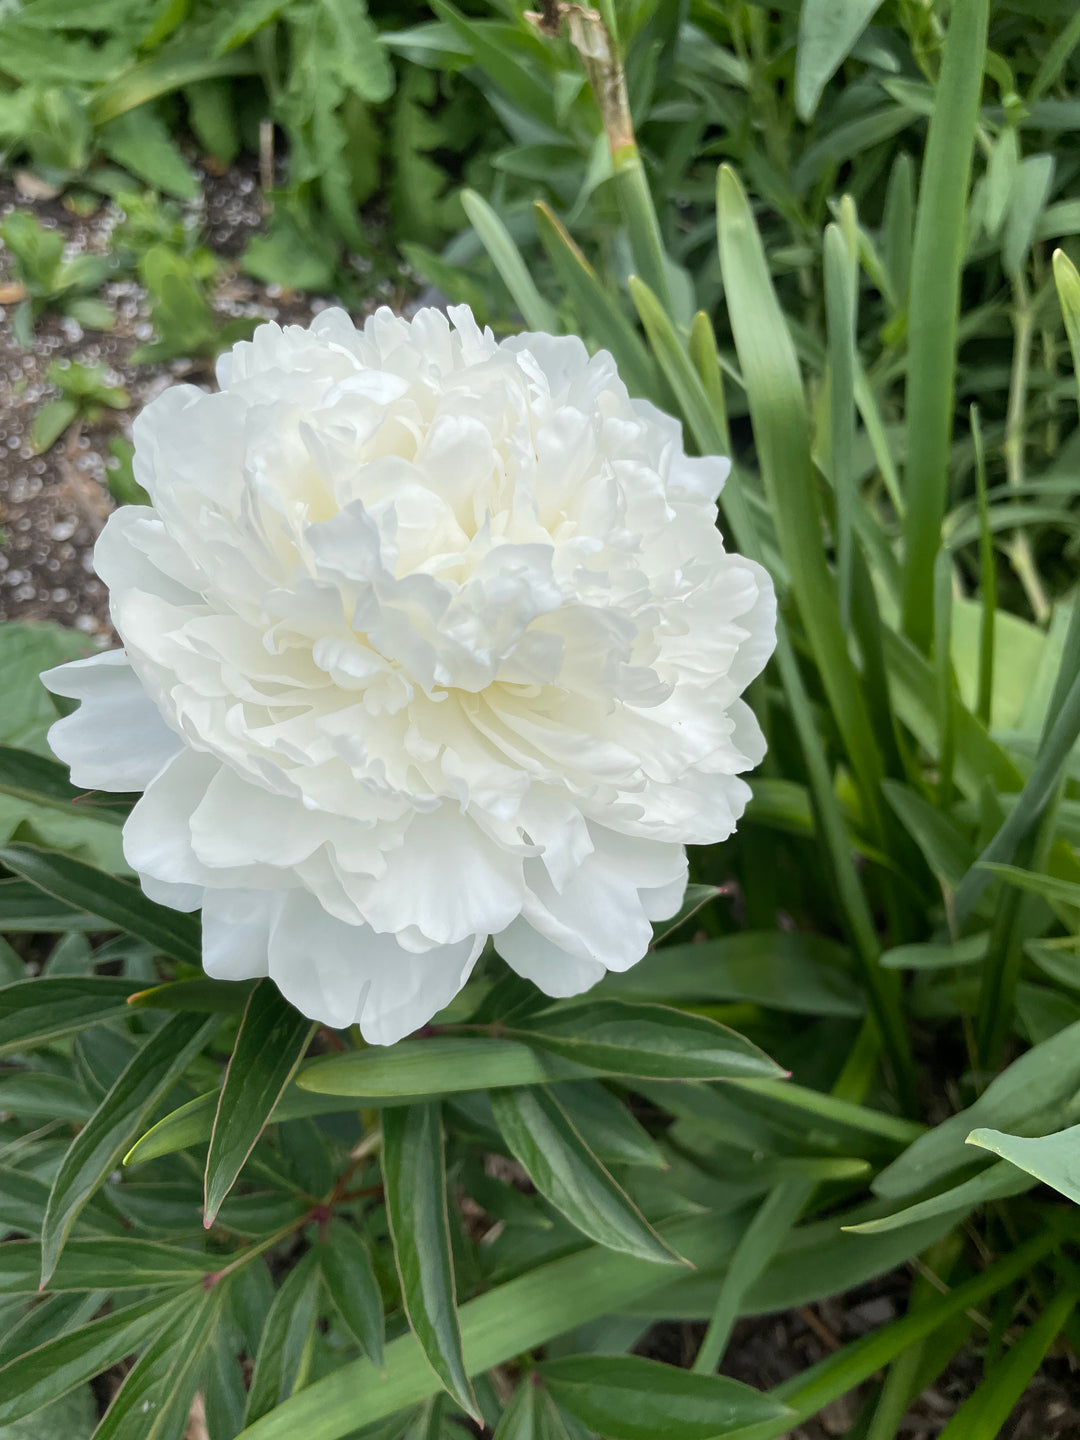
(830, 250)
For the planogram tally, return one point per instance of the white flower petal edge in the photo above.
(427, 639)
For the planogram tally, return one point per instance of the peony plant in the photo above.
(427, 639)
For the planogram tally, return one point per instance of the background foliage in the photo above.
(865, 309)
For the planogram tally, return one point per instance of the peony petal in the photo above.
(116, 740)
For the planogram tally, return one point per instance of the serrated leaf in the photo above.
(626, 1397)
(646, 1040)
(269, 1046)
(154, 1069)
(414, 1174)
(351, 1284)
(120, 904)
(139, 140)
(566, 1172)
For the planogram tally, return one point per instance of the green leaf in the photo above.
(1053, 1159)
(270, 1045)
(120, 904)
(45, 782)
(50, 422)
(139, 140)
(439, 1066)
(52, 1369)
(154, 1401)
(24, 909)
(496, 1326)
(646, 1040)
(628, 1398)
(351, 1284)
(1032, 1089)
(209, 997)
(936, 265)
(284, 1350)
(100, 1264)
(804, 974)
(518, 1421)
(147, 1078)
(1067, 281)
(72, 1417)
(35, 1012)
(996, 1183)
(828, 31)
(982, 1416)
(1030, 189)
(566, 1172)
(606, 1125)
(506, 257)
(414, 1174)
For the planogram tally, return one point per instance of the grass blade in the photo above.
(506, 257)
(933, 311)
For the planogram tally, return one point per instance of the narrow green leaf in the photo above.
(50, 422)
(841, 305)
(1031, 187)
(1053, 1159)
(519, 1421)
(988, 580)
(1042, 1080)
(414, 1173)
(937, 261)
(38, 1011)
(599, 314)
(209, 997)
(26, 910)
(100, 1264)
(646, 1040)
(285, 1347)
(52, 1369)
(828, 31)
(120, 904)
(996, 1183)
(983, 1415)
(606, 1125)
(148, 1077)
(439, 1066)
(497, 1326)
(564, 1170)
(629, 1398)
(506, 257)
(1067, 281)
(269, 1047)
(351, 1284)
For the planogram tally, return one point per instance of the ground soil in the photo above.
(52, 507)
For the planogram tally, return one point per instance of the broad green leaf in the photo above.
(496, 1326)
(140, 141)
(414, 1175)
(1053, 1159)
(646, 1040)
(968, 951)
(1031, 187)
(828, 31)
(39, 1093)
(101, 1264)
(996, 1183)
(1032, 1089)
(154, 1069)
(50, 422)
(507, 259)
(35, 1012)
(439, 1066)
(566, 1172)
(982, 1416)
(285, 1348)
(53, 1369)
(933, 311)
(628, 1398)
(270, 1045)
(120, 904)
(606, 1125)
(72, 1417)
(351, 1284)
(806, 974)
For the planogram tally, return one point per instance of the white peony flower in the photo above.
(427, 638)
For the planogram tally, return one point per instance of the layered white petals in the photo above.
(428, 638)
